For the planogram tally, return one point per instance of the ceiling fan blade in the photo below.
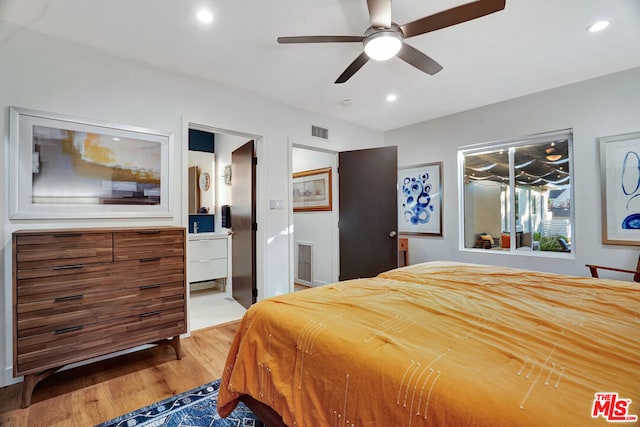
(422, 62)
(353, 68)
(320, 39)
(453, 16)
(380, 13)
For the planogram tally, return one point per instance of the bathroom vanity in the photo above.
(207, 257)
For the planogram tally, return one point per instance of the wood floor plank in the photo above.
(91, 394)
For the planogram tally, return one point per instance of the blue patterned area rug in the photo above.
(193, 408)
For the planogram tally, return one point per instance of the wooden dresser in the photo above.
(82, 293)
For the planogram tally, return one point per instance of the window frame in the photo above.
(510, 144)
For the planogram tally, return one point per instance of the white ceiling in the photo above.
(530, 46)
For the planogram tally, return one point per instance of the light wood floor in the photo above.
(95, 393)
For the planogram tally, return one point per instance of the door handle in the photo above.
(392, 234)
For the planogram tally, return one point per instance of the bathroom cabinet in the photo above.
(207, 254)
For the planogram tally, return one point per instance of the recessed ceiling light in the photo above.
(598, 26)
(391, 97)
(204, 16)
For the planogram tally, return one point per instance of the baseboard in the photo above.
(319, 283)
(7, 377)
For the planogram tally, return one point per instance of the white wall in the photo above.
(607, 105)
(319, 227)
(47, 74)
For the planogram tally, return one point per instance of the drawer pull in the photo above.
(67, 267)
(67, 235)
(149, 232)
(151, 313)
(150, 259)
(157, 285)
(71, 329)
(69, 298)
(204, 260)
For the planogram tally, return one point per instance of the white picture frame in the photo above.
(620, 177)
(64, 167)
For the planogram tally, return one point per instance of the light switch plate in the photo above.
(276, 204)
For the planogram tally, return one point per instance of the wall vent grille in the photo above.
(319, 132)
(305, 263)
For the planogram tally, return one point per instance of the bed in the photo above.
(442, 344)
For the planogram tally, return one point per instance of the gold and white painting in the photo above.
(71, 167)
(86, 169)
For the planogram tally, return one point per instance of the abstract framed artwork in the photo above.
(66, 167)
(620, 175)
(420, 199)
(312, 190)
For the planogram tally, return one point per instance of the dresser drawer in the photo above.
(148, 244)
(150, 271)
(72, 311)
(57, 282)
(35, 250)
(50, 350)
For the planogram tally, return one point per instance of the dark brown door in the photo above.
(243, 224)
(368, 218)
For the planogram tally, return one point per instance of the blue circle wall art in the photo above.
(419, 202)
(630, 185)
(620, 167)
(416, 203)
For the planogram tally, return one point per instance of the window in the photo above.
(516, 195)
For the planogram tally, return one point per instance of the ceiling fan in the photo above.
(384, 39)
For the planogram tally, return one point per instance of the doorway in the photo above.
(315, 232)
(363, 228)
(216, 305)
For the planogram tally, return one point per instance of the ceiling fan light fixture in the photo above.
(382, 45)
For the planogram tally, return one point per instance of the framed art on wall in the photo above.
(420, 199)
(620, 176)
(66, 167)
(312, 190)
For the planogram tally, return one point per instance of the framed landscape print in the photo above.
(65, 167)
(420, 199)
(620, 174)
(312, 190)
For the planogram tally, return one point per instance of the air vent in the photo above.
(319, 132)
(305, 265)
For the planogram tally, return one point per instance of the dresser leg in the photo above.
(29, 383)
(175, 343)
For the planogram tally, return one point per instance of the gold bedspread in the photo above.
(441, 344)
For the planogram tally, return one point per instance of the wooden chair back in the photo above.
(636, 274)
